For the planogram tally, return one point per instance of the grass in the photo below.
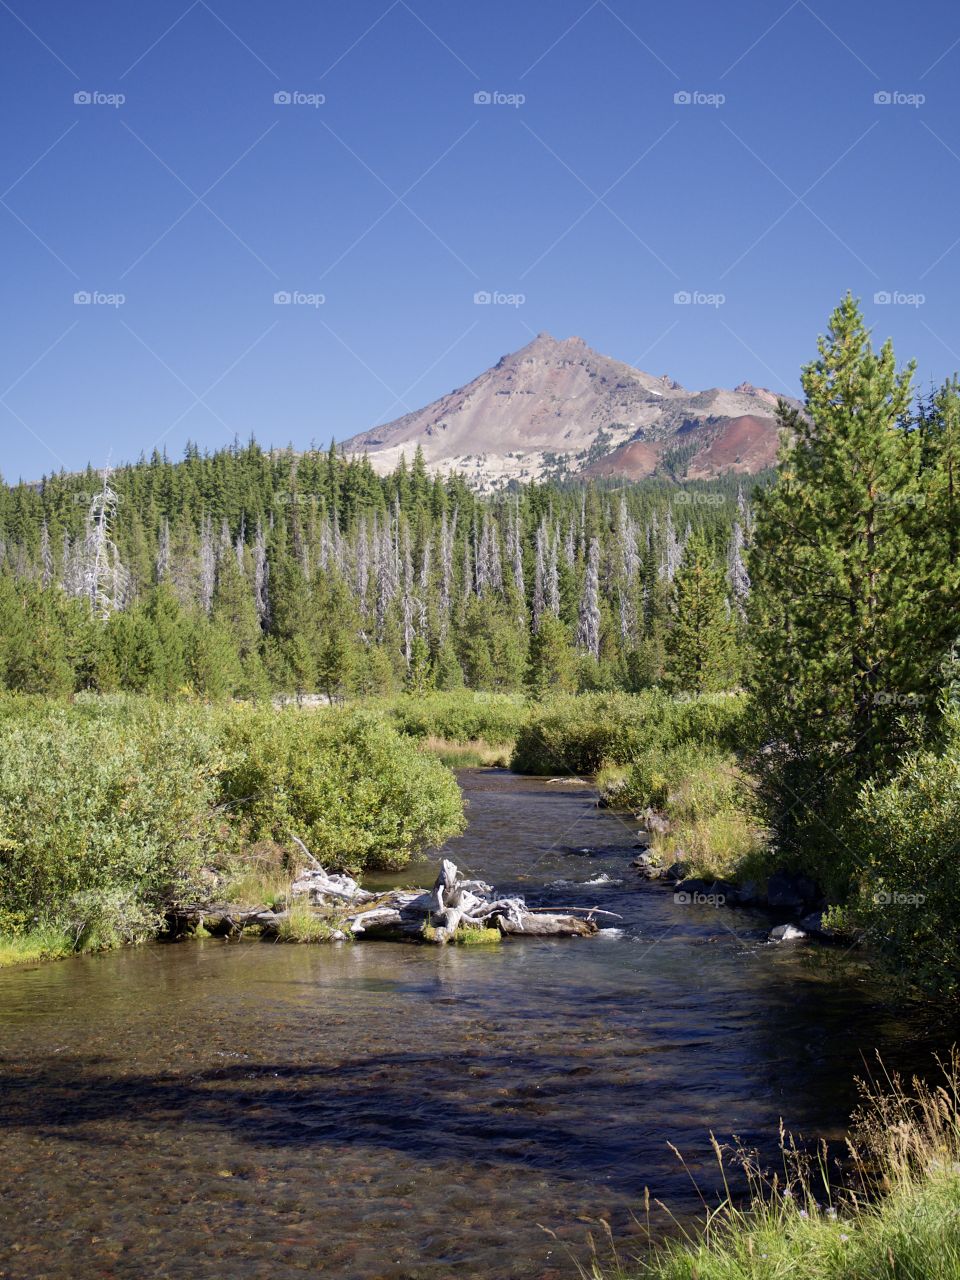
(302, 924)
(466, 936)
(41, 944)
(707, 800)
(475, 753)
(897, 1217)
(257, 887)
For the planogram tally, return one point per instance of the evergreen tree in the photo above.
(702, 642)
(551, 667)
(840, 606)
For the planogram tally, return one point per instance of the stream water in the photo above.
(385, 1110)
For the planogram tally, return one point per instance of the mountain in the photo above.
(559, 407)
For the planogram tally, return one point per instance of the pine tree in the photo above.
(839, 609)
(701, 644)
(551, 667)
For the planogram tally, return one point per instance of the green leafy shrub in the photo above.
(460, 716)
(580, 734)
(905, 835)
(112, 809)
(104, 798)
(354, 790)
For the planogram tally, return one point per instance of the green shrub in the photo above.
(359, 795)
(907, 892)
(104, 798)
(112, 809)
(580, 734)
(460, 716)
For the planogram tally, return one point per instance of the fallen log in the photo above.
(536, 924)
(222, 919)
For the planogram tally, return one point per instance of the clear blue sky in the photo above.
(598, 198)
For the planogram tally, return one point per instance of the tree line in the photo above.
(249, 572)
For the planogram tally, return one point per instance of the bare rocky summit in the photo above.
(559, 407)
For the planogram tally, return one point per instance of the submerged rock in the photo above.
(787, 933)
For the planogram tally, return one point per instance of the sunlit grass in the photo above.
(473, 754)
(42, 944)
(896, 1218)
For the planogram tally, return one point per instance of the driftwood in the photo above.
(222, 919)
(454, 903)
(549, 926)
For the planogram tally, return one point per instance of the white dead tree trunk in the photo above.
(103, 578)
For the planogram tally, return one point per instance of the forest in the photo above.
(247, 572)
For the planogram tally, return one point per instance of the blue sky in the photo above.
(582, 187)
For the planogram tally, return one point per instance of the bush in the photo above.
(106, 798)
(112, 809)
(907, 892)
(460, 716)
(359, 795)
(581, 734)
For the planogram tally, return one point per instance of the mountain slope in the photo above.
(558, 406)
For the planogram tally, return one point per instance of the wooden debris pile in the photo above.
(453, 904)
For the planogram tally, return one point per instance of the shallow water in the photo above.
(383, 1110)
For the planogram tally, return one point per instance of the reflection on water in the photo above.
(383, 1110)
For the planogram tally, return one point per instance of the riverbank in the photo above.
(897, 1217)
